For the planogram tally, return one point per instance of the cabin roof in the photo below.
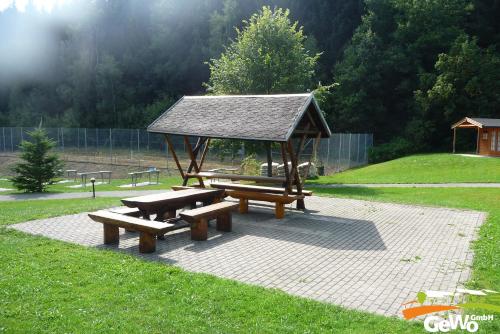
(247, 117)
(475, 122)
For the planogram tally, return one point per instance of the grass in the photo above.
(486, 266)
(428, 168)
(164, 183)
(52, 286)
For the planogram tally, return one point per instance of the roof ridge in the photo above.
(229, 96)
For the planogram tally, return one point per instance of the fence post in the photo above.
(349, 160)
(110, 147)
(357, 153)
(11, 141)
(3, 135)
(138, 141)
(340, 149)
(22, 136)
(62, 139)
(85, 137)
(366, 149)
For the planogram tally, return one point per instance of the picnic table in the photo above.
(84, 175)
(136, 175)
(165, 205)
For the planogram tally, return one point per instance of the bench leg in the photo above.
(280, 210)
(243, 205)
(111, 234)
(300, 204)
(199, 230)
(147, 243)
(225, 222)
(167, 215)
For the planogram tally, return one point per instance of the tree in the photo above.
(268, 56)
(392, 55)
(467, 84)
(39, 166)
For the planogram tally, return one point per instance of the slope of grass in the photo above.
(428, 168)
(486, 265)
(56, 287)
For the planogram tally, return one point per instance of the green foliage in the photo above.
(39, 167)
(268, 56)
(396, 148)
(250, 165)
(421, 297)
(391, 55)
(467, 84)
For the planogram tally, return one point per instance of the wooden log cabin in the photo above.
(290, 120)
(488, 134)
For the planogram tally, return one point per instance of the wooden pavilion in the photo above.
(488, 134)
(287, 119)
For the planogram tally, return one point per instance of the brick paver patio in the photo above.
(365, 255)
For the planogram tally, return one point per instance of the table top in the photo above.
(172, 196)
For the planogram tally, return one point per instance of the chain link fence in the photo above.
(137, 148)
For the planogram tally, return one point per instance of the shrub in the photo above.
(39, 166)
(396, 148)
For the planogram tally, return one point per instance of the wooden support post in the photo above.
(454, 138)
(288, 187)
(174, 155)
(192, 155)
(111, 234)
(243, 205)
(199, 230)
(477, 141)
(269, 159)
(204, 154)
(295, 175)
(224, 222)
(280, 210)
(147, 243)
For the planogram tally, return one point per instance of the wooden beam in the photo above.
(477, 141)
(174, 155)
(269, 159)
(288, 187)
(192, 156)
(295, 174)
(204, 154)
(454, 138)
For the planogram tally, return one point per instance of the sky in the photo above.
(20, 5)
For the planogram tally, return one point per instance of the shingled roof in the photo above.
(251, 117)
(477, 122)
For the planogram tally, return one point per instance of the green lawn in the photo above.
(428, 168)
(55, 287)
(165, 183)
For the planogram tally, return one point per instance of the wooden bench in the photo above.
(260, 189)
(237, 177)
(198, 218)
(148, 229)
(279, 199)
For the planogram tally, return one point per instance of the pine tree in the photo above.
(39, 165)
